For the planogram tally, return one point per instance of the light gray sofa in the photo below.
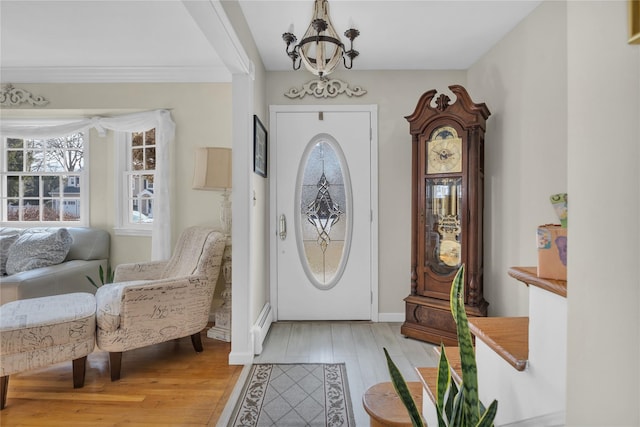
(89, 250)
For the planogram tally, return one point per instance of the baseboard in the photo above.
(240, 358)
(391, 317)
(261, 328)
(227, 412)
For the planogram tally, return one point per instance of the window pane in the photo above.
(51, 210)
(34, 161)
(14, 143)
(71, 209)
(137, 161)
(147, 183)
(134, 185)
(71, 185)
(137, 139)
(150, 158)
(31, 211)
(31, 186)
(13, 186)
(323, 235)
(15, 161)
(35, 143)
(51, 186)
(150, 137)
(12, 210)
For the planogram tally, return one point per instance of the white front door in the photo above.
(323, 216)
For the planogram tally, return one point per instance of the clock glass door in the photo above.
(443, 233)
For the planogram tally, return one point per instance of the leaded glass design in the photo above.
(323, 215)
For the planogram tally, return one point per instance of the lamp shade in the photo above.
(212, 169)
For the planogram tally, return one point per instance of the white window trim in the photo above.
(85, 196)
(122, 225)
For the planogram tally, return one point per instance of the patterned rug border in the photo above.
(260, 394)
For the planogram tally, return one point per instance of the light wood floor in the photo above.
(170, 385)
(167, 384)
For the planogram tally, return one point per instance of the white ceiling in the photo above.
(158, 40)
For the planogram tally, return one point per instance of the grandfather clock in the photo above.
(447, 212)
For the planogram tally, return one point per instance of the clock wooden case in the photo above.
(447, 212)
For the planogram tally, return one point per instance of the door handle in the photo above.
(283, 227)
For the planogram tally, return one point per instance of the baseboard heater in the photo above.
(261, 328)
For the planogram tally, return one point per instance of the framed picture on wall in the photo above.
(634, 21)
(259, 147)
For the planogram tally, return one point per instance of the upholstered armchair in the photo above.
(154, 302)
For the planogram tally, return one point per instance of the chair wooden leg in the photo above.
(79, 369)
(115, 361)
(4, 386)
(197, 342)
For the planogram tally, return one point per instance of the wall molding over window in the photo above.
(11, 96)
(325, 89)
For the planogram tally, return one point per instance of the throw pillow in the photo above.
(35, 250)
(5, 243)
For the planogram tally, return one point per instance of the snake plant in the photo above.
(455, 406)
(108, 278)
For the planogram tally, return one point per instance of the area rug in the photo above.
(283, 395)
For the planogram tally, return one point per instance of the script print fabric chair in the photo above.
(158, 301)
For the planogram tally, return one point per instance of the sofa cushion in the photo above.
(5, 243)
(35, 250)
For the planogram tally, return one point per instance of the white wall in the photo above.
(604, 259)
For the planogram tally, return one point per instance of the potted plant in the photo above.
(108, 278)
(455, 406)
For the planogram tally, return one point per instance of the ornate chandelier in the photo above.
(320, 48)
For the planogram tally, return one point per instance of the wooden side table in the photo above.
(385, 407)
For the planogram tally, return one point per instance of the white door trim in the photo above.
(273, 165)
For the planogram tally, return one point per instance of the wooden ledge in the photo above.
(529, 276)
(429, 376)
(429, 379)
(507, 336)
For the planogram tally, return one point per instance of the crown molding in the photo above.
(115, 74)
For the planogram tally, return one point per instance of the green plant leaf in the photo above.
(91, 281)
(443, 389)
(400, 385)
(101, 273)
(444, 378)
(471, 408)
(457, 413)
(489, 415)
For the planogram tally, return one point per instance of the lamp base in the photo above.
(219, 334)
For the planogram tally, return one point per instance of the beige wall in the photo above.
(604, 189)
(564, 88)
(396, 94)
(523, 80)
(203, 118)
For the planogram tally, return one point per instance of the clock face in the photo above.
(444, 151)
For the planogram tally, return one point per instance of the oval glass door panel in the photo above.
(323, 211)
